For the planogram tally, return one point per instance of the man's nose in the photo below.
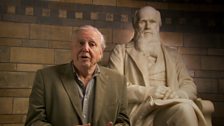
(85, 47)
(147, 25)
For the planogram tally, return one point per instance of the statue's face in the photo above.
(148, 23)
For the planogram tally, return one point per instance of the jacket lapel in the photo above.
(136, 57)
(72, 91)
(170, 57)
(101, 81)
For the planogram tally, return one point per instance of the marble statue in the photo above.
(160, 89)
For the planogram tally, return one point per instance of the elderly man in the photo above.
(160, 90)
(80, 93)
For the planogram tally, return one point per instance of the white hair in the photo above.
(87, 27)
(136, 15)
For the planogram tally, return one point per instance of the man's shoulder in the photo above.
(109, 71)
(125, 45)
(169, 48)
(172, 52)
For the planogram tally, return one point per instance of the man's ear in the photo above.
(101, 53)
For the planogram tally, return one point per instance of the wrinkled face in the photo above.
(148, 24)
(86, 48)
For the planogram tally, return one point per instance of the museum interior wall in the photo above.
(35, 34)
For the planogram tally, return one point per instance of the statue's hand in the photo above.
(170, 94)
(158, 92)
(163, 92)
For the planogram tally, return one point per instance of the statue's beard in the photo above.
(146, 43)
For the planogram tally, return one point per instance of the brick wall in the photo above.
(36, 34)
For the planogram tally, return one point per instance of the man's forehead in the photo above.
(88, 34)
(148, 13)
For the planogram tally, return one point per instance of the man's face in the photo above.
(148, 24)
(86, 48)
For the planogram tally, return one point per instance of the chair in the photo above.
(207, 108)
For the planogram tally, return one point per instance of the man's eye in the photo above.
(141, 22)
(152, 21)
(81, 42)
(92, 44)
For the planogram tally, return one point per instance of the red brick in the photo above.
(20, 105)
(172, 38)
(207, 85)
(28, 67)
(4, 54)
(32, 55)
(15, 92)
(7, 67)
(16, 79)
(122, 36)
(212, 63)
(195, 51)
(59, 44)
(107, 34)
(219, 109)
(211, 96)
(50, 32)
(209, 74)
(62, 56)
(35, 43)
(13, 124)
(14, 30)
(105, 59)
(10, 42)
(130, 3)
(221, 86)
(105, 2)
(110, 47)
(12, 118)
(79, 1)
(215, 51)
(200, 40)
(192, 61)
(5, 105)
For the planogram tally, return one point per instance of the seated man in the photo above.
(160, 90)
(79, 93)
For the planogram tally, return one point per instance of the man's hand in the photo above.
(170, 94)
(163, 92)
(109, 124)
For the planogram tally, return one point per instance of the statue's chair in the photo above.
(207, 109)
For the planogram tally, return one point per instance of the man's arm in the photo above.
(187, 86)
(116, 60)
(36, 115)
(136, 92)
(123, 119)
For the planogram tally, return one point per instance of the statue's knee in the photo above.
(185, 108)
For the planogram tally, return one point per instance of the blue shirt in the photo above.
(87, 95)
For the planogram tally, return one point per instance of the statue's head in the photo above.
(146, 23)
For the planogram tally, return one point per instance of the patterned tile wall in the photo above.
(73, 14)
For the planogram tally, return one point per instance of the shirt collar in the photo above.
(95, 73)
